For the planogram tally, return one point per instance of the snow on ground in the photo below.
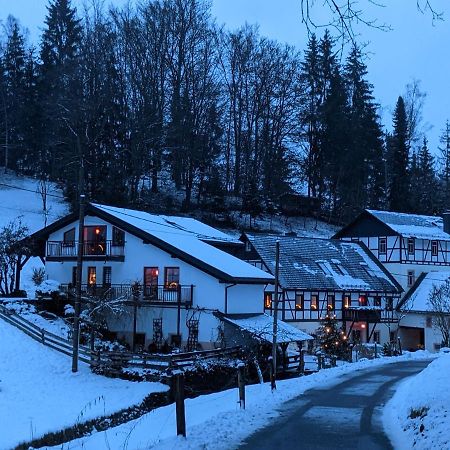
(39, 393)
(215, 421)
(418, 415)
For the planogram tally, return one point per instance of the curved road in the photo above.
(345, 416)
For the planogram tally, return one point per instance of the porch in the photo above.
(92, 250)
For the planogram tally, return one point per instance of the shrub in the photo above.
(38, 276)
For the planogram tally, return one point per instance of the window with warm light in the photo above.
(268, 300)
(330, 302)
(299, 301)
(92, 276)
(347, 301)
(362, 300)
(171, 277)
(314, 302)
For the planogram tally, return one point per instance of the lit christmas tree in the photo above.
(332, 338)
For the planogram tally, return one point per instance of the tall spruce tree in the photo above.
(60, 90)
(399, 158)
(427, 184)
(444, 163)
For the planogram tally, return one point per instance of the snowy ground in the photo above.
(215, 421)
(39, 393)
(24, 202)
(418, 415)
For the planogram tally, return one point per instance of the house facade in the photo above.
(419, 327)
(412, 248)
(172, 271)
(323, 276)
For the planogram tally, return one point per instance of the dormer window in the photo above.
(434, 248)
(411, 246)
(382, 245)
(248, 246)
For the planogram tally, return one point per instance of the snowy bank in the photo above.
(215, 421)
(39, 393)
(418, 415)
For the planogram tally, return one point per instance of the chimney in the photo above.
(446, 217)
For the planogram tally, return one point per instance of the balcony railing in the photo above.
(364, 314)
(61, 249)
(157, 294)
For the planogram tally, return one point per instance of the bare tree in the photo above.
(43, 190)
(439, 301)
(344, 15)
(414, 101)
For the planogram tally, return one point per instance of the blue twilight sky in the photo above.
(414, 49)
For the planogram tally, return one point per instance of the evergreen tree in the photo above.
(60, 90)
(426, 181)
(399, 157)
(333, 340)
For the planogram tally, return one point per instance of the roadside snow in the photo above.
(418, 415)
(215, 421)
(39, 393)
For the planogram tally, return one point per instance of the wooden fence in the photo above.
(109, 358)
(43, 336)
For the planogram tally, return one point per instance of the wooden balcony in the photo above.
(145, 295)
(94, 251)
(362, 314)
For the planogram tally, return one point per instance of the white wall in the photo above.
(432, 335)
(209, 292)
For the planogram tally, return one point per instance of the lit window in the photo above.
(171, 277)
(314, 303)
(268, 300)
(298, 301)
(411, 246)
(92, 276)
(434, 248)
(347, 301)
(382, 246)
(362, 300)
(411, 277)
(330, 302)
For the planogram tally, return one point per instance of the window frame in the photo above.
(69, 242)
(107, 275)
(333, 302)
(172, 285)
(116, 241)
(299, 306)
(382, 245)
(91, 270)
(363, 300)
(314, 301)
(346, 301)
(268, 299)
(434, 247)
(410, 278)
(411, 246)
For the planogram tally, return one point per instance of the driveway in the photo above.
(345, 416)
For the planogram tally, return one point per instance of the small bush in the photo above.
(421, 412)
(38, 276)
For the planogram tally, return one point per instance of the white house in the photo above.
(418, 327)
(184, 277)
(320, 276)
(406, 244)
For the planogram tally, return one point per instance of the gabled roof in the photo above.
(260, 326)
(189, 245)
(324, 264)
(403, 224)
(416, 299)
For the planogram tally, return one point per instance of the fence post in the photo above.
(179, 404)
(273, 385)
(241, 384)
(301, 364)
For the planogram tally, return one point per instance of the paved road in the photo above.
(346, 416)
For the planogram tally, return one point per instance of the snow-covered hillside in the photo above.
(39, 393)
(23, 200)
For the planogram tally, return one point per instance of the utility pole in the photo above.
(275, 315)
(76, 319)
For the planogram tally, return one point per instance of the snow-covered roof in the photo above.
(186, 226)
(416, 299)
(260, 326)
(323, 264)
(413, 225)
(189, 243)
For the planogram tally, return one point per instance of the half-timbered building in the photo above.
(320, 276)
(406, 244)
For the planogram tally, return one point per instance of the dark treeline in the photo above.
(158, 92)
